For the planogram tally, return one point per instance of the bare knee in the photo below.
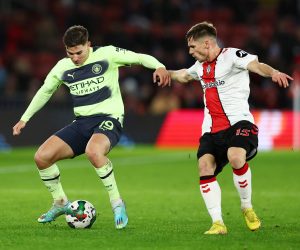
(43, 159)
(98, 159)
(205, 168)
(236, 157)
(236, 160)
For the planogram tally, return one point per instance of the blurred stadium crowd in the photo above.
(31, 43)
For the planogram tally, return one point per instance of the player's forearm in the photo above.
(38, 101)
(150, 61)
(179, 76)
(266, 70)
(262, 69)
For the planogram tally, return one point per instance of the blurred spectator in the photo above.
(164, 101)
(46, 36)
(19, 33)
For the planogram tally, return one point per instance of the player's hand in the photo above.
(281, 78)
(18, 127)
(162, 77)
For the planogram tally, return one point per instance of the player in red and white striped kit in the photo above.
(228, 131)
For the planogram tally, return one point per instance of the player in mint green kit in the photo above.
(91, 74)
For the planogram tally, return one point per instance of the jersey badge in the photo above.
(241, 53)
(208, 69)
(97, 68)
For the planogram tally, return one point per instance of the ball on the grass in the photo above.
(81, 214)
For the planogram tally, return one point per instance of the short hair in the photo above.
(75, 35)
(200, 30)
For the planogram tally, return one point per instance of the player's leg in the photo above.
(211, 193)
(244, 144)
(51, 151)
(96, 150)
(241, 174)
(243, 183)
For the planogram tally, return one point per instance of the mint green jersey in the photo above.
(94, 86)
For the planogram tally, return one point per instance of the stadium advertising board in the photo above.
(277, 129)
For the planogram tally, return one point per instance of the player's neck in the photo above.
(214, 53)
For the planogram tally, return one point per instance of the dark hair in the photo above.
(75, 35)
(200, 30)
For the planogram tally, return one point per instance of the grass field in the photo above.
(164, 205)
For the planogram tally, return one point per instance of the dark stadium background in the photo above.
(31, 44)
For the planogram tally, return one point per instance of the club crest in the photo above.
(97, 68)
(208, 69)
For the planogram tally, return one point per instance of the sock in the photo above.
(211, 193)
(51, 178)
(106, 174)
(242, 182)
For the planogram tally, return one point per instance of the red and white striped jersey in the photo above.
(225, 82)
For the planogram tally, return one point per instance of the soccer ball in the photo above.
(81, 214)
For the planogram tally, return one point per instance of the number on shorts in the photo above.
(242, 132)
(106, 125)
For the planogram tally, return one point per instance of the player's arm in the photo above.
(38, 101)
(160, 76)
(127, 57)
(266, 70)
(181, 76)
(18, 127)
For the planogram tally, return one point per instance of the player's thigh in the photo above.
(243, 134)
(105, 136)
(52, 150)
(98, 144)
(215, 145)
(97, 148)
(207, 165)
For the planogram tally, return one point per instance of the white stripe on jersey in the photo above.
(225, 82)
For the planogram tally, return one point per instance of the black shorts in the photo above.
(243, 134)
(78, 133)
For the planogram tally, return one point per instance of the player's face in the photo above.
(78, 54)
(199, 49)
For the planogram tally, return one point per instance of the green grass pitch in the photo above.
(164, 204)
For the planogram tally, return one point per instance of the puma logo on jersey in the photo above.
(71, 75)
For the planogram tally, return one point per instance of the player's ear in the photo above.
(206, 42)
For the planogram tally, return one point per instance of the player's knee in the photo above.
(91, 154)
(236, 160)
(42, 159)
(205, 168)
(96, 158)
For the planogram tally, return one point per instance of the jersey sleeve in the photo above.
(124, 57)
(193, 71)
(42, 96)
(242, 58)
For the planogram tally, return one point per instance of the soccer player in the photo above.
(91, 74)
(228, 130)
